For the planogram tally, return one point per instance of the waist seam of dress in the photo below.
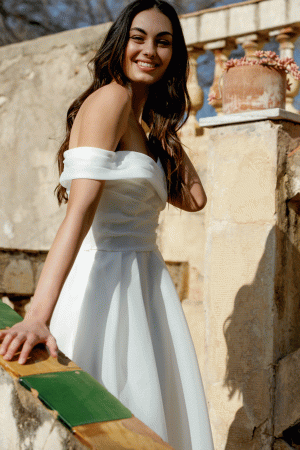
(129, 249)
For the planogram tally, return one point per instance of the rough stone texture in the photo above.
(250, 292)
(293, 172)
(20, 271)
(277, 14)
(280, 444)
(179, 272)
(287, 393)
(18, 277)
(19, 274)
(287, 299)
(27, 424)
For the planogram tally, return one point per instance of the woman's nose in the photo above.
(149, 49)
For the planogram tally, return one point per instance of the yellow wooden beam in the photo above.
(129, 434)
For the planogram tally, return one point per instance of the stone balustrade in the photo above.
(251, 24)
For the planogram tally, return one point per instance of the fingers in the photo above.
(13, 339)
(6, 341)
(52, 346)
(11, 344)
(3, 333)
(27, 347)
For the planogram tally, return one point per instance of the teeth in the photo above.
(144, 64)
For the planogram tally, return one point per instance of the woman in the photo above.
(117, 313)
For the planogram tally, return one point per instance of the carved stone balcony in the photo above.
(251, 24)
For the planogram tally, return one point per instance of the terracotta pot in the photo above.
(254, 87)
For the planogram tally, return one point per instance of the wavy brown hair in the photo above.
(168, 103)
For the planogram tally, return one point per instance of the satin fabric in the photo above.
(119, 316)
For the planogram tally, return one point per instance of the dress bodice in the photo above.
(133, 196)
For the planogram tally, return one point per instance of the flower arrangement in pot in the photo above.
(260, 83)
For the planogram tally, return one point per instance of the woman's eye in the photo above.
(163, 42)
(137, 38)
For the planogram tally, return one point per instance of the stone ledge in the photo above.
(249, 116)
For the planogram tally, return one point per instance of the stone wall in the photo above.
(251, 282)
(39, 79)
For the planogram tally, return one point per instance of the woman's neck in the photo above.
(139, 98)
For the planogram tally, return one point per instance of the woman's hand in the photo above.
(29, 333)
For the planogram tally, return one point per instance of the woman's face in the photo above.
(149, 48)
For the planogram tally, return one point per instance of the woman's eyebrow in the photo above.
(144, 32)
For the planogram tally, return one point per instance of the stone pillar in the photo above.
(221, 50)
(251, 281)
(252, 42)
(286, 38)
(191, 127)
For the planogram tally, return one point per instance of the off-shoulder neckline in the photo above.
(118, 152)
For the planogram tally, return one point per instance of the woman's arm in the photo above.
(83, 201)
(101, 123)
(195, 198)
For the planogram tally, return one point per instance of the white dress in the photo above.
(119, 316)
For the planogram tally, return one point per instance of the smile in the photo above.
(145, 64)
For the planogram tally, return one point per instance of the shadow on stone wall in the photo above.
(263, 328)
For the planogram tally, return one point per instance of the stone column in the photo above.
(191, 127)
(251, 290)
(286, 38)
(221, 50)
(252, 42)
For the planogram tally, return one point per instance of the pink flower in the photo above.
(212, 97)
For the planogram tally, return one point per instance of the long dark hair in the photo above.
(168, 103)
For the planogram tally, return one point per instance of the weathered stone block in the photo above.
(242, 437)
(18, 277)
(242, 20)
(213, 26)
(275, 14)
(292, 11)
(293, 174)
(191, 28)
(244, 175)
(287, 394)
(26, 423)
(179, 272)
(280, 444)
(239, 303)
(245, 257)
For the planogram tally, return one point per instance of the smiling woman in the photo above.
(105, 287)
(149, 49)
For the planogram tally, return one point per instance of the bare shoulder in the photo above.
(103, 118)
(113, 95)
